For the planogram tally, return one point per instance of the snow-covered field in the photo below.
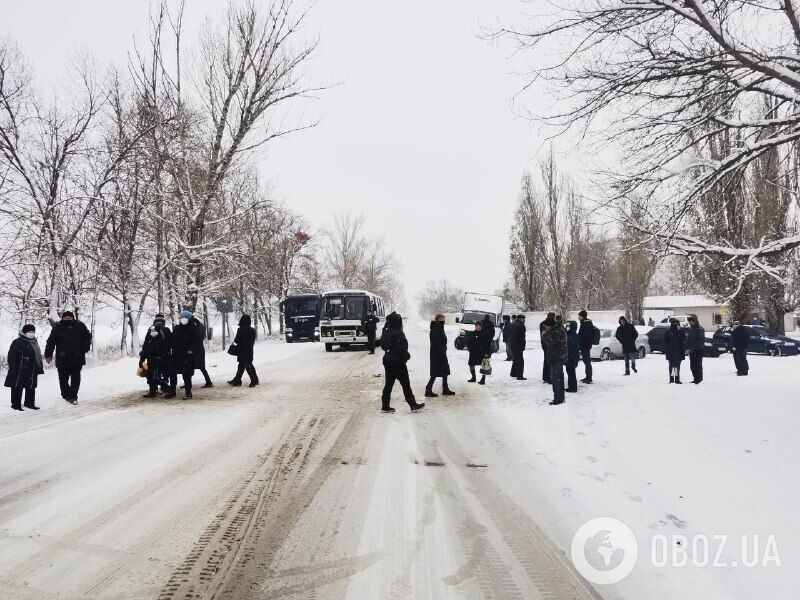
(300, 488)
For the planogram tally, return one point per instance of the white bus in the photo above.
(341, 314)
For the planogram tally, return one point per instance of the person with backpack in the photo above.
(480, 347)
(675, 349)
(395, 357)
(440, 366)
(243, 343)
(554, 343)
(626, 335)
(516, 341)
(24, 367)
(70, 341)
(573, 355)
(695, 344)
(589, 336)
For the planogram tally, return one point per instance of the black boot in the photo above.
(671, 379)
(483, 380)
(430, 394)
(150, 394)
(253, 383)
(235, 382)
(417, 407)
(387, 409)
(448, 392)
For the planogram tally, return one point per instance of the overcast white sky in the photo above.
(419, 136)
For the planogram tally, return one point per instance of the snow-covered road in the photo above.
(300, 488)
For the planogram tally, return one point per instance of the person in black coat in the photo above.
(244, 341)
(440, 366)
(168, 375)
(573, 355)
(395, 357)
(155, 354)
(516, 342)
(675, 349)
(627, 335)
(545, 364)
(480, 347)
(507, 321)
(586, 337)
(695, 344)
(70, 340)
(738, 342)
(24, 367)
(187, 349)
(370, 325)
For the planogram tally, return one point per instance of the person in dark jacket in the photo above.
(479, 347)
(545, 364)
(573, 355)
(554, 344)
(187, 349)
(488, 330)
(370, 325)
(695, 344)
(169, 376)
(24, 367)
(586, 337)
(507, 320)
(200, 359)
(738, 342)
(244, 341)
(675, 349)
(70, 340)
(516, 341)
(395, 357)
(155, 354)
(440, 367)
(627, 335)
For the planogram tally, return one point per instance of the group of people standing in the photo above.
(165, 354)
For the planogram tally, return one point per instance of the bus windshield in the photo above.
(306, 306)
(345, 308)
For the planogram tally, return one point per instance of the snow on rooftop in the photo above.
(668, 302)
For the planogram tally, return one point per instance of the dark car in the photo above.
(762, 341)
(711, 349)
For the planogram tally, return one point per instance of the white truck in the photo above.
(475, 308)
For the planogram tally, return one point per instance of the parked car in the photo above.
(762, 341)
(610, 347)
(711, 349)
(683, 320)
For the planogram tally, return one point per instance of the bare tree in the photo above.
(346, 249)
(439, 297)
(663, 79)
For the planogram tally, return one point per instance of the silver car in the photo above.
(609, 346)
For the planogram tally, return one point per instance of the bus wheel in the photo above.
(328, 347)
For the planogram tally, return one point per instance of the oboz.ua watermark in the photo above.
(605, 551)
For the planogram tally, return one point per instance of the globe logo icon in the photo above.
(604, 550)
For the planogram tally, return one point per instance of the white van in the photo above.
(474, 308)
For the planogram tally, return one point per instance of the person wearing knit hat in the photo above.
(24, 367)
(586, 334)
(545, 364)
(69, 341)
(554, 344)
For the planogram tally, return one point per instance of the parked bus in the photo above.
(301, 317)
(340, 319)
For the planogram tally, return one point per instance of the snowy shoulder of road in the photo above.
(718, 459)
(117, 377)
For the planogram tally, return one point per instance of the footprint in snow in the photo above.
(679, 523)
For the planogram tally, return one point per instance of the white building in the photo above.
(711, 314)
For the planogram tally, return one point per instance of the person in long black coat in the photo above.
(244, 341)
(627, 335)
(586, 337)
(440, 366)
(395, 357)
(480, 347)
(169, 375)
(545, 364)
(573, 355)
(516, 342)
(695, 344)
(738, 342)
(507, 321)
(155, 354)
(675, 349)
(24, 367)
(187, 349)
(370, 325)
(70, 340)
